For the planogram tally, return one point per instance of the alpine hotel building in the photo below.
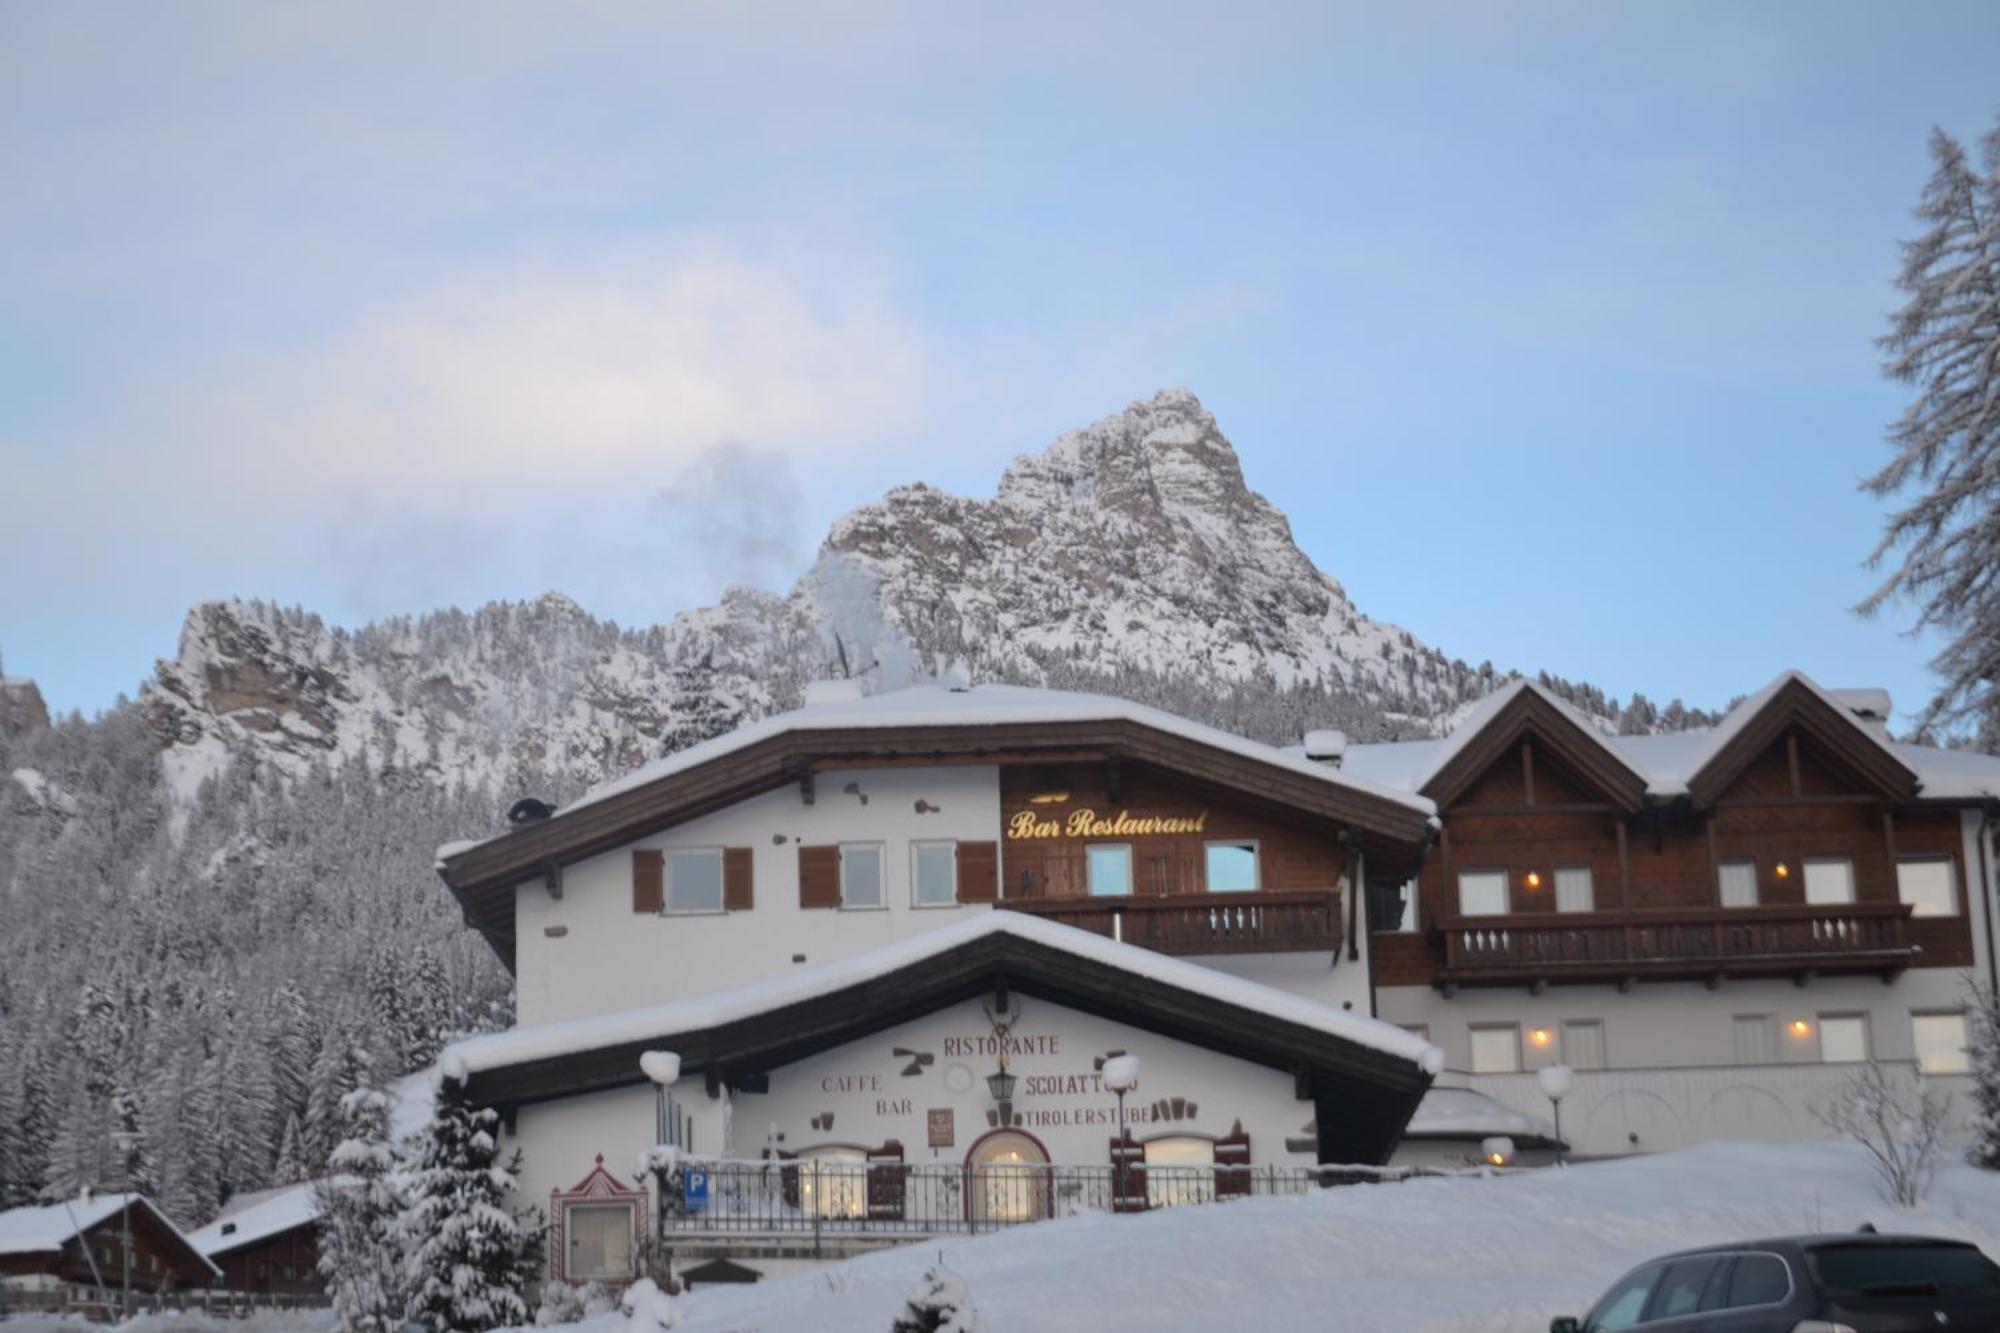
(878, 967)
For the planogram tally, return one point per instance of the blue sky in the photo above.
(1550, 326)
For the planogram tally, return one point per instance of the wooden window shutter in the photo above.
(978, 872)
(1128, 1187)
(886, 1176)
(1232, 1164)
(737, 892)
(649, 879)
(819, 876)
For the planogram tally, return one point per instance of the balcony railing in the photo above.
(832, 1201)
(1274, 921)
(1698, 942)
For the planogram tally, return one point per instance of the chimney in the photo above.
(1871, 706)
(1326, 747)
(823, 692)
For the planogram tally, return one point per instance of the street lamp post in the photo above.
(1121, 1075)
(125, 1140)
(1555, 1082)
(663, 1070)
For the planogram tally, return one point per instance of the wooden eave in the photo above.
(1375, 1093)
(1794, 705)
(1391, 833)
(1528, 716)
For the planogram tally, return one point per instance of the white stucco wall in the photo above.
(608, 958)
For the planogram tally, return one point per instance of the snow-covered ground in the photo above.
(1466, 1254)
(1470, 1254)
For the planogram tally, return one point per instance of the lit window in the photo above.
(1179, 1169)
(1829, 880)
(833, 1182)
(1482, 893)
(1941, 1043)
(861, 874)
(1739, 883)
(1110, 869)
(1496, 1050)
(934, 873)
(694, 880)
(1928, 884)
(1232, 867)
(1843, 1039)
(1573, 889)
(600, 1242)
(1583, 1044)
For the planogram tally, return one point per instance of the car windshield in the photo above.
(1866, 1268)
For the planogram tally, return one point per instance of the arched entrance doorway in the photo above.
(1008, 1177)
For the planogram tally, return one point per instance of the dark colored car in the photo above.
(1854, 1283)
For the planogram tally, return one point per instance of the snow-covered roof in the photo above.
(662, 1022)
(1668, 762)
(47, 1228)
(257, 1216)
(1455, 1113)
(975, 706)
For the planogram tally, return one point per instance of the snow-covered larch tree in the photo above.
(1983, 1046)
(470, 1256)
(360, 1240)
(1945, 341)
(939, 1303)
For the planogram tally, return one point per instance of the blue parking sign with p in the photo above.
(695, 1182)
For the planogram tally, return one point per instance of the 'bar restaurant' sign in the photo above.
(1028, 824)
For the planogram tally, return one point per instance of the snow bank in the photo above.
(1465, 1254)
(661, 1022)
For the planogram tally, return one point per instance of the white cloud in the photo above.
(546, 377)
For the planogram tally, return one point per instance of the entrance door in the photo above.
(1010, 1178)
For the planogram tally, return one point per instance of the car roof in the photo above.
(1822, 1241)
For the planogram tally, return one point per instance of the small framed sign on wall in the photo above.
(938, 1123)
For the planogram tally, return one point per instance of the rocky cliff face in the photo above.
(1128, 556)
(21, 707)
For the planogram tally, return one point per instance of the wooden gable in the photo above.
(1532, 752)
(1798, 745)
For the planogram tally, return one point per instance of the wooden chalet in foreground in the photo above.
(899, 944)
(108, 1241)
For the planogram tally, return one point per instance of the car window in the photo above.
(1866, 1267)
(1759, 1279)
(1680, 1291)
(1624, 1303)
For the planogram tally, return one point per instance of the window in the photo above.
(1739, 883)
(1408, 921)
(1573, 889)
(1482, 893)
(1929, 884)
(1755, 1040)
(1624, 1303)
(1179, 1169)
(1110, 867)
(1691, 1286)
(1232, 867)
(1496, 1050)
(1829, 879)
(600, 1241)
(1843, 1038)
(934, 874)
(833, 1182)
(1759, 1279)
(861, 874)
(1940, 1040)
(1583, 1044)
(1418, 1030)
(694, 880)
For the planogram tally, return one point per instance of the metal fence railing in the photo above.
(822, 1198)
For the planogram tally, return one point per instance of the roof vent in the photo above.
(529, 810)
(1871, 706)
(1326, 747)
(819, 693)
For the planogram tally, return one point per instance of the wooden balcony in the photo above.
(1698, 943)
(1274, 921)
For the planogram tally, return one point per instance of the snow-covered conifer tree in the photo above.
(470, 1256)
(939, 1303)
(1945, 341)
(361, 1244)
(1983, 1045)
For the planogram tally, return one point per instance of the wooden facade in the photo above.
(284, 1264)
(160, 1259)
(1656, 870)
